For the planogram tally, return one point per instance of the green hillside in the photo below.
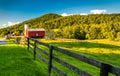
(33, 23)
(98, 26)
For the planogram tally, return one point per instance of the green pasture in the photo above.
(17, 60)
(101, 50)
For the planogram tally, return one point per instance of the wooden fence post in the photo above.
(104, 70)
(50, 60)
(34, 49)
(28, 43)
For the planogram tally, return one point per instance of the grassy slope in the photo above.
(15, 60)
(102, 50)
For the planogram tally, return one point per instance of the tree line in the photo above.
(93, 26)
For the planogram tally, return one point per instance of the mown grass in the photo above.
(16, 60)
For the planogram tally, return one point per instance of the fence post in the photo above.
(104, 70)
(28, 43)
(50, 60)
(34, 49)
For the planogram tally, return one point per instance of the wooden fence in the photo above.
(105, 68)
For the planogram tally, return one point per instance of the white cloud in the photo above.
(65, 14)
(9, 24)
(83, 14)
(97, 11)
(3, 25)
(12, 23)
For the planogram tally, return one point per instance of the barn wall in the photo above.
(36, 33)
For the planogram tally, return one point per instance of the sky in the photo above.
(16, 11)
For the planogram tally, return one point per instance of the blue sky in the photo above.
(12, 11)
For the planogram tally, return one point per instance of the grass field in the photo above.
(102, 50)
(16, 60)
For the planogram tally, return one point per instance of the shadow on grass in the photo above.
(84, 45)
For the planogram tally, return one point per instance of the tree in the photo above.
(79, 33)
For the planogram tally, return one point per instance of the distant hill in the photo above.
(33, 23)
(98, 26)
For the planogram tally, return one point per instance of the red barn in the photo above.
(34, 32)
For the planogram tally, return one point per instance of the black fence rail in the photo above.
(105, 68)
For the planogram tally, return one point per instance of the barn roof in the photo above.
(42, 29)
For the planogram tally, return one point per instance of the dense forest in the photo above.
(93, 26)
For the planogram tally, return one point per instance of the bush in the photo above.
(17, 40)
